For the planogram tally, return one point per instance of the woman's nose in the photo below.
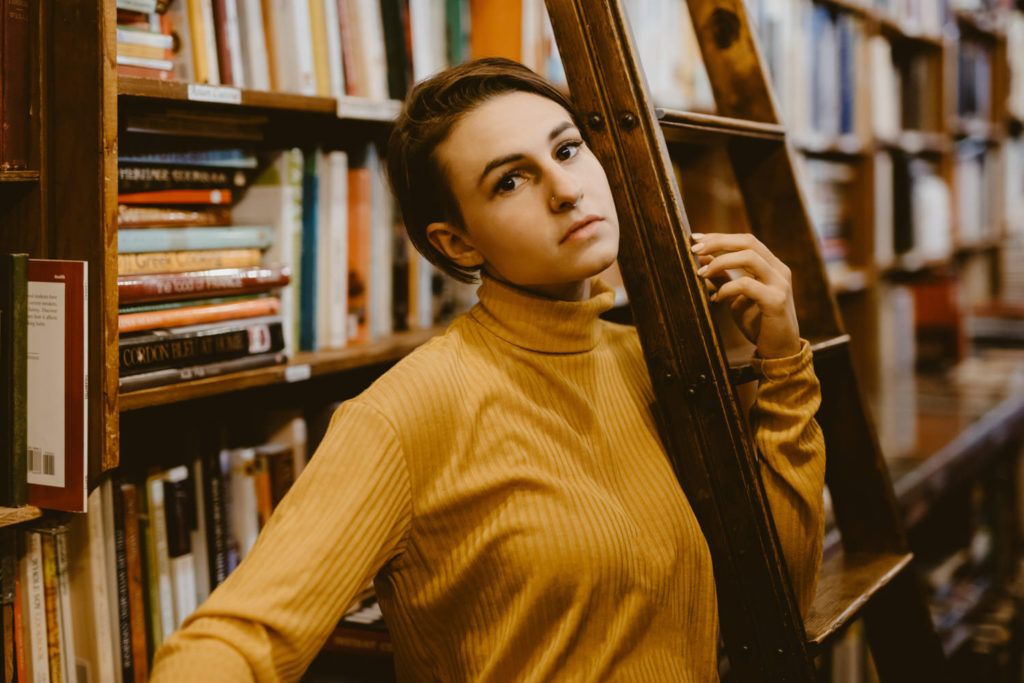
(566, 191)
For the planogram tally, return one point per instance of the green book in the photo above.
(13, 379)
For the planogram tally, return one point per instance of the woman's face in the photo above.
(535, 201)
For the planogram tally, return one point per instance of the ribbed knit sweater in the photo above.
(506, 486)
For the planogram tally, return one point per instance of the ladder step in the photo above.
(846, 583)
(741, 371)
(680, 126)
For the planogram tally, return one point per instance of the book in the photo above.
(137, 240)
(184, 261)
(215, 504)
(159, 378)
(382, 219)
(229, 43)
(496, 29)
(192, 315)
(13, 379)
(65, 621)
(332, 34)
(58, 380)
(332, 254)
(167, 217)
(113, 605)
(176, 23)
(275, 197)
(204, 42)
(128, 500)
(37, 663)
(137, 177)
(159, 572)
(318, 39)
(201, 283)
(177, 505)
(124, 619)
(197, 344)
(244, 509)
(8, 591)
(233, 158)
(94, 648)
(360, 225)
(188, 197)
(53, 635)
(308, 271)
(200, 550)
(15, 87)
(253, 44)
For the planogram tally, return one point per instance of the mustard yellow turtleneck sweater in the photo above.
(506, 485)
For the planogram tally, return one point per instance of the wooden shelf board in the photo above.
(843, 145)
(918, 142)
(982, 25)
(846, 583)
(304, 365)
(10, 516)
(19, 176)
(678, 124)
(356, 108)
(894, 30)
(847, 6)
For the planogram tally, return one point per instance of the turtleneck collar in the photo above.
(538, 323)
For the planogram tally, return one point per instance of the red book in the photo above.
(16, 59)
(220, 23)
(133, 289)
(212, 197)
(143, 72)
(58, 435)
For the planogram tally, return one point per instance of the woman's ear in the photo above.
(454, 243)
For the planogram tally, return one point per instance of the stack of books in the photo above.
(197, 298)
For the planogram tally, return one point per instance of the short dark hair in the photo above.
(430, 111)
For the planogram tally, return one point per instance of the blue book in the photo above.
(307, 272)
(217, 158)
(139, 240)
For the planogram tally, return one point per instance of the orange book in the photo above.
(359, 227)
(213, 197)
(194, 315)
(497, 29)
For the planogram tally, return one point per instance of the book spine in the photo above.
(8, 592)
(132, 177)
(244, 504)
(161, 217)
(210, 197)
(138, 240)
(124, 619)
(35, 608)
(67, 631)
(158, 527)
(174, 286)
(155, 354)
(140, 51)
(21, 666)
(220, 22)
(53, 645)
(254, 44)
(308, 269)
(159, 378)
(191, 315)
(179, 542)
(183, 261)
(133, 561)
(14, 380)
(131, 36)
(217, 536)
(145, 63)
(200, 550)
(143, 72)
(15, 108)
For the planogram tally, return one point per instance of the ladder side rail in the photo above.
(699, 411)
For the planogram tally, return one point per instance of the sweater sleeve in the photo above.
(792, 451)
(342, 520)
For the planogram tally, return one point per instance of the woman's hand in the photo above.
(756, 285)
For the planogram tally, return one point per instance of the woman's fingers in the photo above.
(711, 243)
(769, 299)
(747, 260)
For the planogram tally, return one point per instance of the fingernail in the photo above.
(697, 235)
(697, 248)
(702, 270)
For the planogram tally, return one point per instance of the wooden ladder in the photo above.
(742, 149)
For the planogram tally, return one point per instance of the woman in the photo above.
(505, 483)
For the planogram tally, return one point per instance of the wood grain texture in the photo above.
(26, 513)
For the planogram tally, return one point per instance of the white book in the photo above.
(296, 34)
(335, 59)
(427, 24)
(158, 528)
(88, 593)
(110, 553)
(381, 249)
(332, 254)
(254, 44)
(179, 547)
(243, 513)
(289, 427)
(34, 607)
(371, 27)
(210, 40)
(64, 615)
(232, 30)
(200, 551)
(883, 195)
(275, 197)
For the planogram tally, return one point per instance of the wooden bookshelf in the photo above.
(12, 516)
(305, 365)
(19, 176)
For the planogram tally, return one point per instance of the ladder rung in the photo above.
(846, 583)
(680, 125)
(741, 371)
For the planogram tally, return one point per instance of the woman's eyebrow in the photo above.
(516, 156)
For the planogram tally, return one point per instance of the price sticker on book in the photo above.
(198, 92)
(297, 373)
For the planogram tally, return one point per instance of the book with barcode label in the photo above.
(57, 434)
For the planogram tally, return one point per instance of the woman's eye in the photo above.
(508, 183)
(568, 150)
